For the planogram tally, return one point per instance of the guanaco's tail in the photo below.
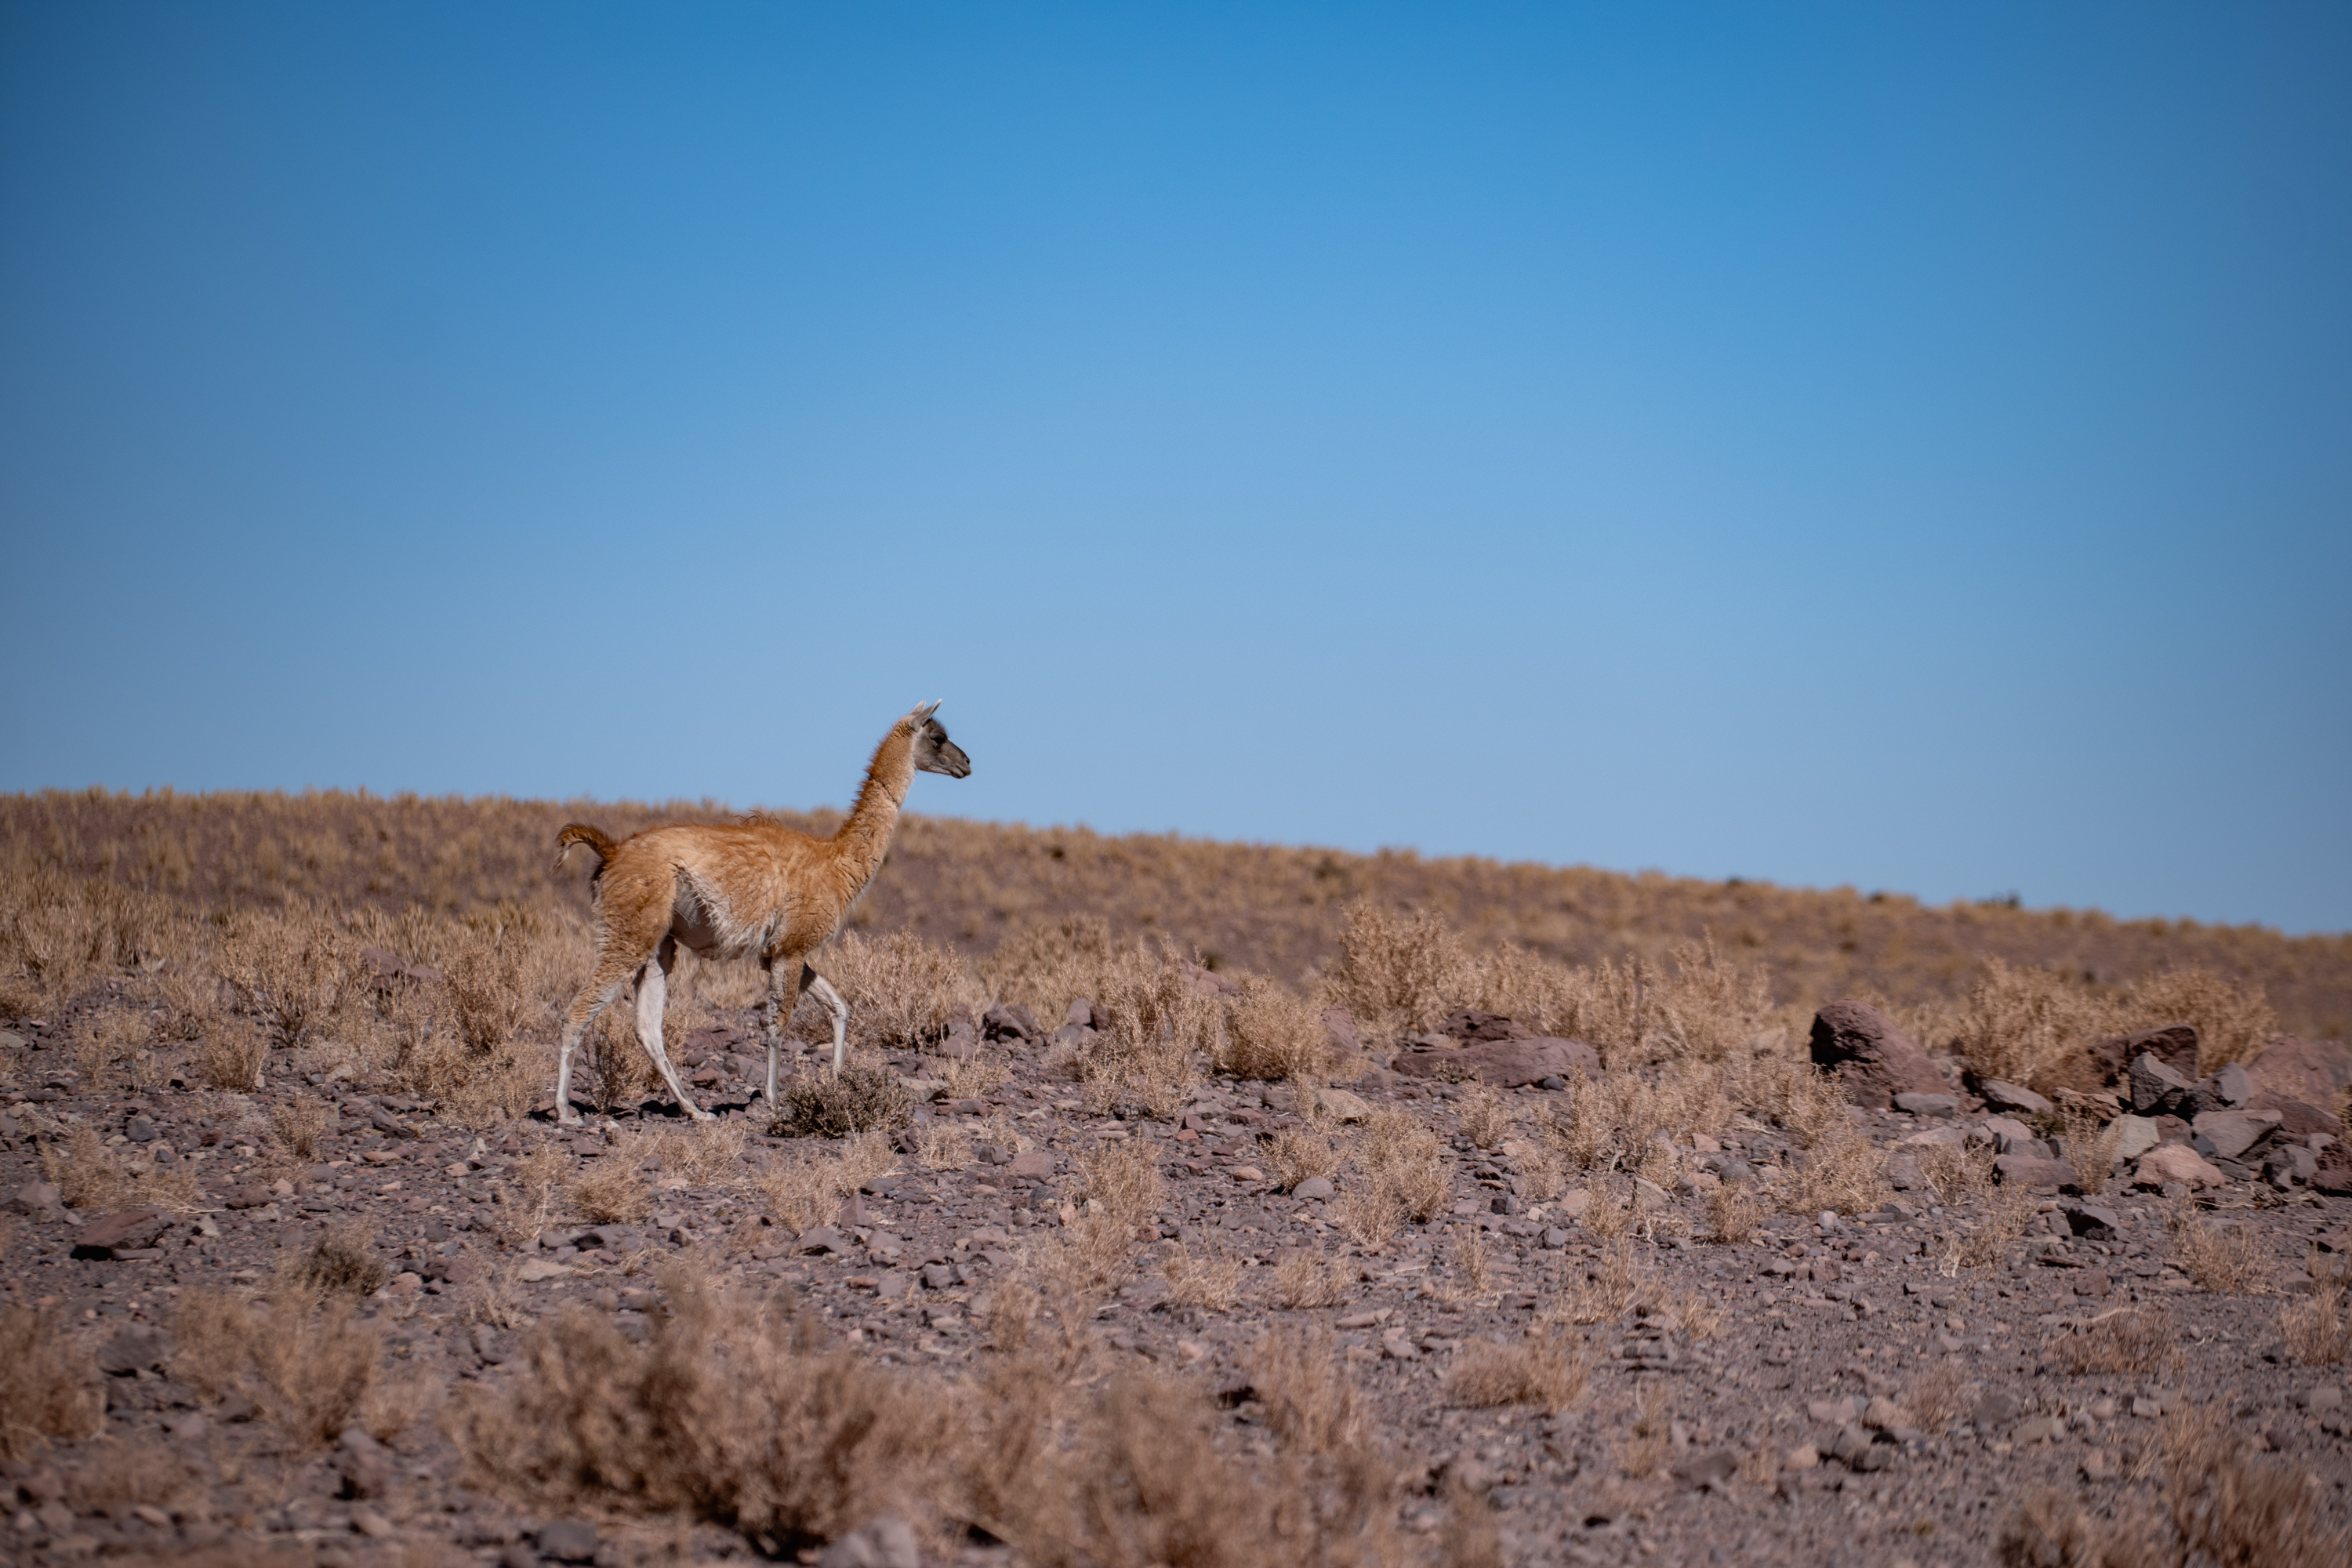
(580, 833)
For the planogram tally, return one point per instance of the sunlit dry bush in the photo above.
(809, 1191)
(2003, 1215)
(1303, 1280)
(491, 1004)
(701, 1153)
(59, 932)
(2019, 1019)
(1398, 972)
(901, 990)
(300, 1123)
(1205, 1282)
(1155, 1025)
(1485, 1117)
(1124, 1180)
(1602, 1289)
(1272, 1033)
(860, 1098)
(2317, 1328)
(2221, 1258)
(612, 1191)
(292, 971)
(103, 1038)
(1545, 1373)
(1614, 1120)
(2131, 1340)
(90, 1176)
(1296, 1154)
(1048, 966)
(983, 1072)
(1404, 1164)
(2233, 1020)
(48, 1385)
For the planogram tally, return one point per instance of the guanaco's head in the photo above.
(934, 752)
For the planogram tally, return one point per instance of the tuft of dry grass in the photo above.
(49, 1386)
(231, 1055)
(1208, 1283)
(125, 1472)
(1640, 1448)
(2220, 1259)
(1122, 1182)
(312, 1368)
(1543, 1373)
(2051, 1530)
(2003, 1215)
(104, 1039)
(2133, 1339)
(300, 1123)
(1370, 1214)
(858, 1098)
(700, 1153)
(941, 1146)
(1485, 1117)
(1955, 1174)
(1397, 973)
(1303, 1280)
(1405, 1166)
(981, 1074)
(1604, 1289)
(2090, 1150)
(2317, 1328)
(88, 1176)
(1938, 1397)
(2019, 1020)
(808, 1192)
(729, 1414)
(1272, 1033)
(900, 989)
(1296, 1153)
(611, 1192)
(342, 1262)
(1733, 1212)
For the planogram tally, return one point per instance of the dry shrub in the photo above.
(1153, 1024)
(86, 1175)
(1605, 1288)
(123, 1472)
(1048, 966)
(1542, 1175)
(1123, 1179)
(1370, 1213)
(49, 1386)
(1397, 973)
(2228, 1508)
(300, 1123)
(1208, 1283)
(1616, 1120)
(1955, 1173)
(342, 1262)
(1271, 1034)
(1542, 1372)
(547, 1167)
(291, 972)
(2089, 1146)
(490, 1004)
(1466, 1252)
(106, 1038)
(1842, 1171)
(1485, 1117)
(622, 1070)
(1308, 1403)
(1302, 1280)
(702, 1153)
(941, 1146)
(2133, 1339)
(1641, 1450)
(1296, 1153)
(2002, 1215)
(191, 994)
(2051, 1530)
(611, 1192)
(231, 1055)
(808, 1192)
(1938, 1397)
(2222, 1259)
(1144, 1476)
(1405, 1161)
(1733, 1212)
(900, 989)
(983, 1072)
(857, 1099)
(309, 1367)
(2018, 1020)
(727, 1413)
(2317, 1328)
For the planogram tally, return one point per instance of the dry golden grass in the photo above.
(2316, 1327)
(1955, 1174)
(901, 990)
(2019, 1020)
(2090, 1150)
(1370, 1213)
(1122, 1182)
(2132, 1340)
(1303, 1280)
(1938, 1397)
(2003, 1215)
(342, 1262)
(942, 1146)
(1405, 1165)
(976, 1076)
(809, 1191)
(613, 1190)
(124, 1472)
(90, 1176)
(1733, 1212)
(1397, 973)
(1539, 1372)
(312, 1368)
(300, 1123)
(293, 970)
(859, 1098)
(102, 880)
(1485, 1117)
(231, 1054)
(1604, 1289)
(1640, 1448)
(1206, 1282)
(2222, 1259)
(1296, 1154)
(701, 1153)
(1272, 1033)
(49, 1387)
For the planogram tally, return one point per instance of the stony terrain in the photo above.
(1828, 1390)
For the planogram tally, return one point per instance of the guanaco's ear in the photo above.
(923, 711)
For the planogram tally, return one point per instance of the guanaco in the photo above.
(753, 889)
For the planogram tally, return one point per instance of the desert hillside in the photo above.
(1243, 907)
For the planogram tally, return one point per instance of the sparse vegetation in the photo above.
(48, 1385)
(859, 1098)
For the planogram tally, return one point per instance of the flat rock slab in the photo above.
(130, 1230)
(1503, 1064)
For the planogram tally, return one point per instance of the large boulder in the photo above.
(2175, 1162)
(1874, 1060)
(128, 1230)
(2156, 1086)
(1504, 1064)
(2309, 1070)
(2333, 1172)
(2297, 1118)
(2232, 1133)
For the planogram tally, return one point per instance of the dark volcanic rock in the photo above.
(130, 1230)
(1471, 1025)
(1874, 1060)
(2102, 1064)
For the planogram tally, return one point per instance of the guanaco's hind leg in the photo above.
(614, 967)
(653, 994)
(821, 989)
(785, 976)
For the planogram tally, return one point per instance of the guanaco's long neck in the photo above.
(864, 838)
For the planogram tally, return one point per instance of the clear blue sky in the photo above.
(1893, 446)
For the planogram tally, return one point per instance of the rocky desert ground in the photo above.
(1446, 1252)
